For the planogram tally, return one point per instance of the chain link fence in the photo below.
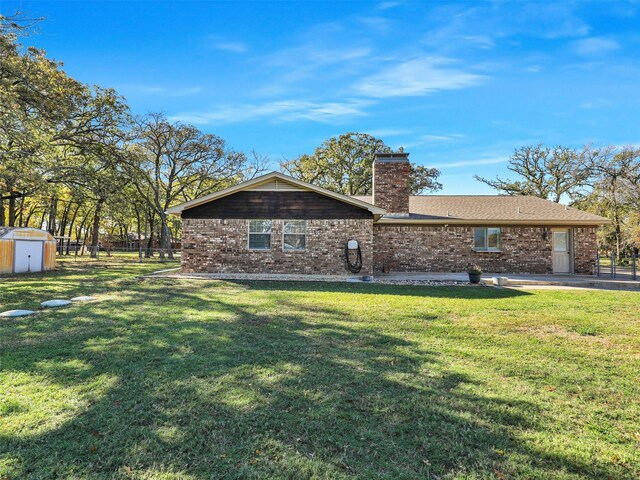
(618, 266)
(99, 251)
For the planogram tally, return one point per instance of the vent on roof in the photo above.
(277, 184)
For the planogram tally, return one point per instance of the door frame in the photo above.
(15, 253)
(570, 246)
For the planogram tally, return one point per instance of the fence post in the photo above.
(598, 264)
(613, 265)
(633, 266)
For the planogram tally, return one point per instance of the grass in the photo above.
(209, 379)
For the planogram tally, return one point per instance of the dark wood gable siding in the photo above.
(276, 205)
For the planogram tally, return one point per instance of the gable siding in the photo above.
(277, 205)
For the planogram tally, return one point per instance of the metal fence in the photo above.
(618, 266)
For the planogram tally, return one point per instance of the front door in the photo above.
(28, 256)
(562, 251)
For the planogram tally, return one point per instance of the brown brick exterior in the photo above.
(221, 246)
(585, 248)
(450, 249)
(391, 187)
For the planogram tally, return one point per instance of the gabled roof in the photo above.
(490, 210)
(276, 181)
(17, 233)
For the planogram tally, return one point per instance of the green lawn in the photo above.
(210, 379)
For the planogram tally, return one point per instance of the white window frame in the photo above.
(249, 233)
(486, 247)
(294, 250)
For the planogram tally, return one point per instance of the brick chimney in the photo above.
(391, 183)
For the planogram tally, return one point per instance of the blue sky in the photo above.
(459, 85)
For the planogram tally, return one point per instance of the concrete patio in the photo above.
(519, 280)
(427, 278)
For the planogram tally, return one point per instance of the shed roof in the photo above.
(490, 209)
(11, 233)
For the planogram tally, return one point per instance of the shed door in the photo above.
(562, 251)
(28, 256)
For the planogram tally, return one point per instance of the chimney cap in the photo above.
(391, 157)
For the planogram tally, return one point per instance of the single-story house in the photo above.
(278, 224)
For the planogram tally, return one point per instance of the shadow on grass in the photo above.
(214, 386)
(468, 292)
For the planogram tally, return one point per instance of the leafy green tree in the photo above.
(344, 164)
(35, 96)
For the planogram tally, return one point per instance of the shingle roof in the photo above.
(499, 209)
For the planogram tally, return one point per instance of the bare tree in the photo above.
(547, 172)
(172, 162)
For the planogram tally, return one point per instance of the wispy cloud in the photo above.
(481, 41)
(472, 163)
(387, 5)
(160, 90)
(595, 46)
(280, 111)
(595, 103)
(388, 132)
(417, 77)
(233, 47)
(430, 139)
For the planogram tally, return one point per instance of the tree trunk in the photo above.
(165, 238)
(139, 230)
(73, 220)
(53, 213)
(12, 210)
(1, 211)
(79, 231)
(149, 252)
(95, 232)
(44, 214)
(20, 210)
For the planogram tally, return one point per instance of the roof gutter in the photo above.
(457, 221)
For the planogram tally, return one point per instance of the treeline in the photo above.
(605, 181)
(76, 162)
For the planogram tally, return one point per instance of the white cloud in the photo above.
(279, 111)
(439, 138)
(481, 41)
(432, 139)
(417, 77)
(233, 47)
(595, 46)
(387, 5)
(473, 163)
(160, 91)
(594, 103)
(387, 132)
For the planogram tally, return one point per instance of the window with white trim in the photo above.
(487, 239)
(294, 235)
(259, 234)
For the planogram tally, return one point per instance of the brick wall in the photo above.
(585, 250)
(221, 246)
(391, 188)
(450, 249)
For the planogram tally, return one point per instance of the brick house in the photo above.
(278, 224)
